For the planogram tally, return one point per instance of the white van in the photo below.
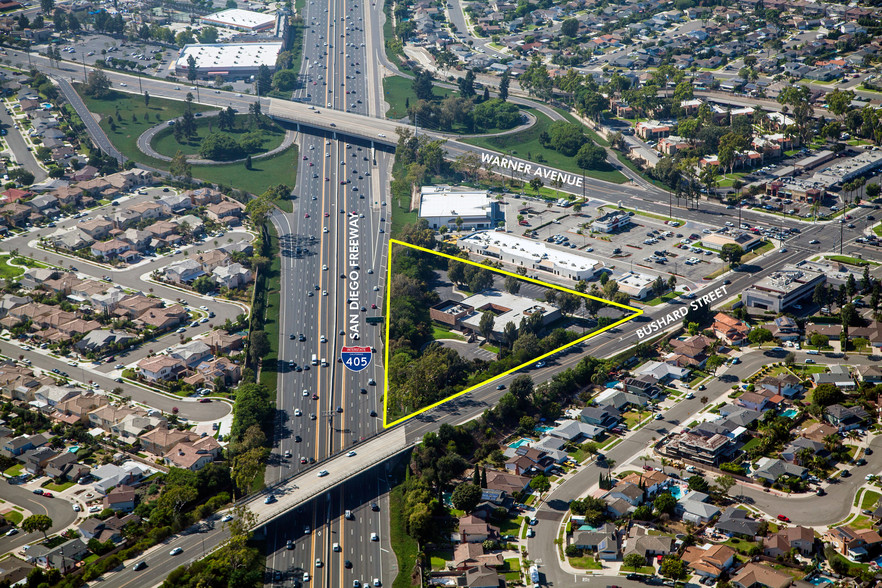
(336, 547)
(324, 362)
(314, 359)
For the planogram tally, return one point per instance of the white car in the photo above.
(227, 518)
(350, 454)
(375, 537)
(95, 509)
(176, 551)
(76, 508)
(322, 473)
(297, 412)
(306, 392)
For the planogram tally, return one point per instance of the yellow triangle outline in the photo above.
(637, 312)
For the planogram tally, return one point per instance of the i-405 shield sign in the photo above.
(356, 358)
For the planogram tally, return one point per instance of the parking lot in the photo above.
(649, 246)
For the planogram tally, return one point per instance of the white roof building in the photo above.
(636, 285)
(532, 254)
(228, 60)
(242, 20)
(442, 205)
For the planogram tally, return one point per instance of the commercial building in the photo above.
(636, 285)
(847, 169)
(507, 308)
(531, 254)
(241, 20)
(228, 60)
(743, 239)
(611, 222)
(441, 206)
(782, 289)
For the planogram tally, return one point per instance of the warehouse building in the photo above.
(782, 289)
(241, 20)
(442, 205)
(230, 61)
(532, 254)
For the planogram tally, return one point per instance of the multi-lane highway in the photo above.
(333, 260)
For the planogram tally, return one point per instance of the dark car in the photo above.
(297, 439)
(500, 387)
(139, 566)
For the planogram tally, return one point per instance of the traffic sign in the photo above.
(356, 358)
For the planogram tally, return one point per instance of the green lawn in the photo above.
(645, 570)
(870, 499)
(279, 169)
(511, 526)
(405, 547)
(586, 563)
(14, 470)
(57, 487)
(442, 333)
(661, 299)
(660, 217)
(440, 557)
(740, 545)
(525, 144)
(398, 90)
(878, 230)
(123, 106)
(164, 141)
(14, 517)
(511, 569)
(850, 260)
(491, 348)
(7, 271)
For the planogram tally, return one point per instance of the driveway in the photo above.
(20, 149)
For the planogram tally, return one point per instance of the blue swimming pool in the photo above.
(818, 580)
(519, 442)
(542, 428)
(790, 413)
(678, 491)
(612, 384)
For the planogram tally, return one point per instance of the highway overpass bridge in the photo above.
(306, 485)
(378, 131)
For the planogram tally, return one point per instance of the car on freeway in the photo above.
(227, 518)
(176, 551)
(322, 473)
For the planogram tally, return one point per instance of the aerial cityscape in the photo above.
(440, 293)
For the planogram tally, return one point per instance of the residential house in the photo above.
(161, 368)
(846, 418)
(630, 493)
(161, 440)
(573, 431)
(707, 450)
(194, 455)
(510, 483)
(711, 562)
(770, 469)
(98, 228)
(120, 499)
(109, 249)
(839, 376)
(869, 373)
(34, 460)
(212, 259)
(478, 577)
(694, 508)
(753, 401)
(95, 341)
(76, 410)
(19, 445)
(163, 318)
(663, 372)
(64, 557)
(109, 529)
(192, 353)
(604, 541)
(232, 276)
(112, 475)
(690, 352)
(223, 343)
(734, 522)
(801, 446)
(649, 546)
(854, 544)
(604, 417)
(528, 460)
(227, 211)
(469, 555)
(651, 481)
(756, 575)
(784, 328)
(183, 272)
(474, 530)
(779, 544)
(818, 431)
(730, 330)
(162, 229)
(786, 385)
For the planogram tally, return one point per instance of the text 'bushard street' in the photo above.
(678, 315)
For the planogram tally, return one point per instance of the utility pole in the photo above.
(83, 59)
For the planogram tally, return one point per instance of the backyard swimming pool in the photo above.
(519, 442)
(542, 429)
(678, 491)
(790, 413)
(818, 580)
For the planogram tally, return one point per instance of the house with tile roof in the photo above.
(711, 562)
